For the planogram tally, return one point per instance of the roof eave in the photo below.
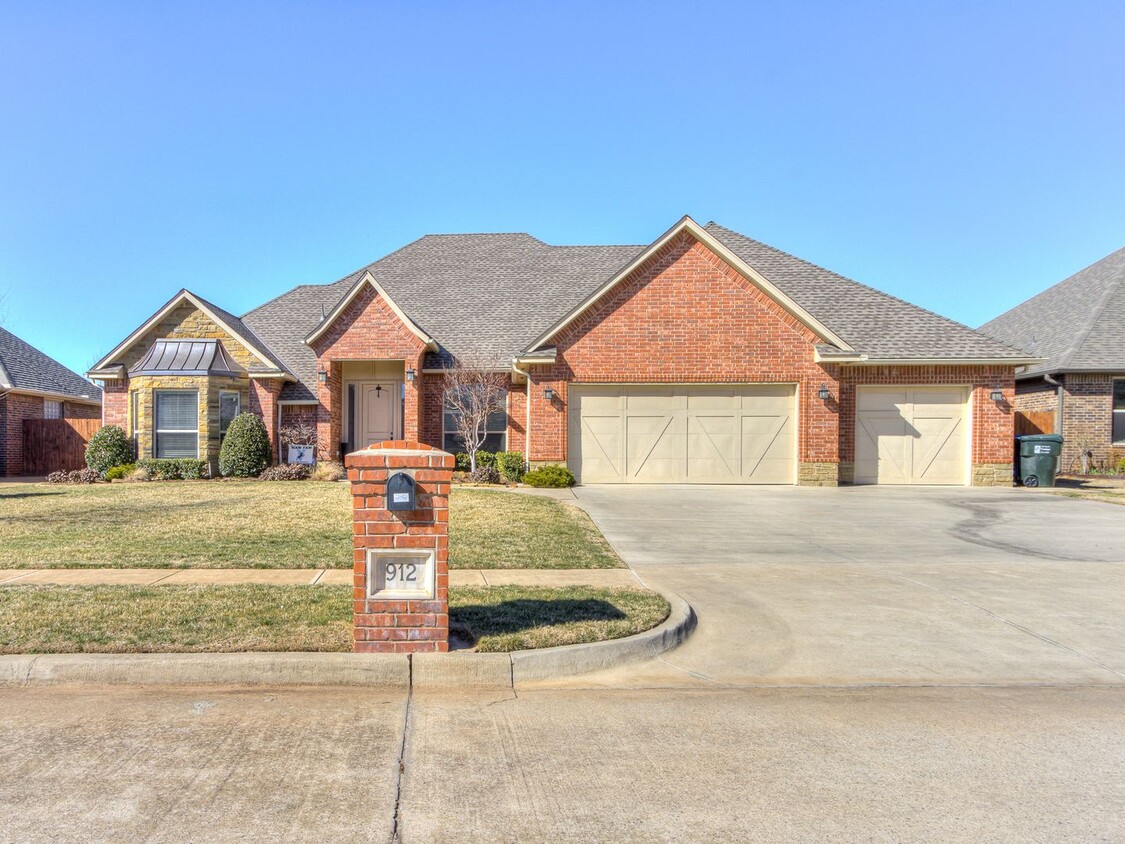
(948, 361)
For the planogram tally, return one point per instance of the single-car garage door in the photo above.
(682, 433)
(911, 435)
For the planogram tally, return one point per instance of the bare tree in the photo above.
(472, 394)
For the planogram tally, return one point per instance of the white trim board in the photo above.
(349, 297)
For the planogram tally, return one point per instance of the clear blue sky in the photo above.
(960, 155)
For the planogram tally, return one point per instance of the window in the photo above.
(495, 431)
(135, 414)
(177, 423)
(230, 405)
(52, 409)
(1119, 412)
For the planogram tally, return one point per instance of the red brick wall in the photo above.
(263, 403)
(18, 407)
(115, 403)
(432, 389)
(368, 329)
(1087, 417)
(292, 414)
(686, 316)
(75, 410)
(992, 422)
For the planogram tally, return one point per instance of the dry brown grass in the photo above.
(187, 619)
(256, 524)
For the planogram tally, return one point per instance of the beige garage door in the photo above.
(911, 435)
(740, 434)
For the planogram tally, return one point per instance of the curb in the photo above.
(458, 670)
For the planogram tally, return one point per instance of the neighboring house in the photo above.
(702, 357)
(34, 386)
(1078, 328)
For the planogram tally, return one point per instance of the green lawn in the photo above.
(254, 524)
(155, 619)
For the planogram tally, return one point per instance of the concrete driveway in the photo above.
(876, 585)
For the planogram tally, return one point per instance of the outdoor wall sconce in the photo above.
(548, 394)
(411, 375)
(322, 376)
(823, 393)
(997, 396)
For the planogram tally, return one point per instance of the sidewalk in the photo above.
(607, 578)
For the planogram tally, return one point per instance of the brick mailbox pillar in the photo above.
(401, 574)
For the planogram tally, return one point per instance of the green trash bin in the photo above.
(1037, 459)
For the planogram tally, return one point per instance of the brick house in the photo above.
(1078, 390)
(35, 386)
(704, 357)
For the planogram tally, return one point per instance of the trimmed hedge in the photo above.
(109, 447)
(551, 475)
(246, 448)
(511, 465)
(177, 469)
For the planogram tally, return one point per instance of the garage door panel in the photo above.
(693, 433)
(654, 447)
(600, 447)
(712, 447)
(911, 435)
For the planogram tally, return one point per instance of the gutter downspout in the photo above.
(1059, 403)
(527, 419)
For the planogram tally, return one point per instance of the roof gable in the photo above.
(1077, 324)
(26, 369)
(367, 280)
(263, 360)
(686, 225)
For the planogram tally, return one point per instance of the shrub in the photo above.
(329, 470)
(167, 469)
(463, 464)
(109, 447)
(511, 466)
(286, 472)
(119, 473)
(551, 475)
(140, 474)
(246, 448)
(76, 476)
(486, 458)
(485, 475)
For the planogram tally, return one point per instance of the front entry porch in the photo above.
(372, 403)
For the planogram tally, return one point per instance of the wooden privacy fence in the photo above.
(1035, 422)
(53, 445)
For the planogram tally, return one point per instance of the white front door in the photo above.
(378, 412)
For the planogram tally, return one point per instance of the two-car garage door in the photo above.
(683, 433)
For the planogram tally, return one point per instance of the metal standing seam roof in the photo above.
(23, 367)
(1077, 325)
(487, 296)
(187, 357)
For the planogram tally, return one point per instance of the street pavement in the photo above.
(870, 665)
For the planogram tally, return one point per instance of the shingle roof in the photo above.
(247, 335)
(870, 321)
(1078, 325)
(487, 296)
(483, 296)
(23, 367)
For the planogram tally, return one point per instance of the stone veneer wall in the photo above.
(208, 388)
